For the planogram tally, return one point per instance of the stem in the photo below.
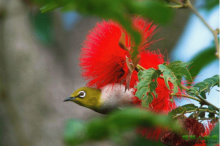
(139, 67)
(175, 6)
(175, 1)
(180, 114)
(188, 96)
(206, 102)
(202, 119)
(215, 33)
(203, 110)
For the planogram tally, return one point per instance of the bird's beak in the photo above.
(69, 99)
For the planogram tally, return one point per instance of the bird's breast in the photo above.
(114, 96)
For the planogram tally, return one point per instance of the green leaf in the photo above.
(214, 136)
(174, 73)
(203, 94)
(182, 109)
(147, 86)
(161, 13)
(193, 115)
(115, 10)
(180, 69)
(74, 131)
(169, 76)
(189, 107)
(142, 141)
(49, 7)
(147, 99)
(116, 122)
(193, 91)
(210, 4)
(204, 86)
(100, 128)
(176, 111)
(156, 11)
(201, 60)
(201, 114)
(43, 27)
(178, 63)
(211, 108)
(211, 115)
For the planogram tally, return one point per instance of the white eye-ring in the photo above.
(82, 94)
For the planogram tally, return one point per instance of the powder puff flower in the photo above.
(103, 62)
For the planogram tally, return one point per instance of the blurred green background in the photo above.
(39, 66)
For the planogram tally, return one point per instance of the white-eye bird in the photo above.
(104, 100)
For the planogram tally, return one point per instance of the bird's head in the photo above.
(87, 97)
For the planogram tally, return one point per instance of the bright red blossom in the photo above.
(103, 62)
(194, 128)
(102, 59)
(208, 128)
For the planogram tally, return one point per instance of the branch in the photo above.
(203, 101)
(176, 2)
(202, 119)
(176, 6)
(189, 5)
(198, 109)
(214, 32)
(188, 96)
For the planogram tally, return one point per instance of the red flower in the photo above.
(193, 127)
(103, 61)
(208, 128)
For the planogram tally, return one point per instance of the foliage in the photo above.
(116, 10)
(118, 122)
(173, 72)
(115, 124)
(43, 27)
(198, 61)
(204, 87)
(147, 85)
(210, 4)
(183, 108)
(215, 132)
(141, 141)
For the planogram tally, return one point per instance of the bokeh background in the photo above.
(39, 66)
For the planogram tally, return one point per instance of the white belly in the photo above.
(115, 97)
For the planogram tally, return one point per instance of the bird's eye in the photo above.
(82, 94)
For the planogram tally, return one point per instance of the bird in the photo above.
(104, 68)
(104, 100)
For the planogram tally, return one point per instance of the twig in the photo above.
(203, 101)
(214, 32)
(188, 96)
(176, 6)
(202, 119)
(175, 1)
(190, 111)
(189, 5)
(139, 67)
(180, 114)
